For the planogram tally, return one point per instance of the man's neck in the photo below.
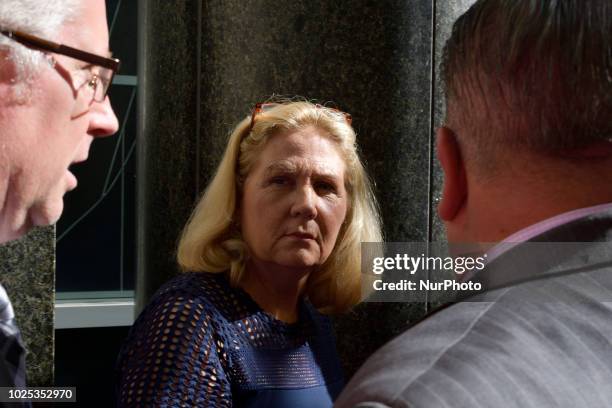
(496, 213)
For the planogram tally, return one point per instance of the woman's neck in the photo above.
(276, 289)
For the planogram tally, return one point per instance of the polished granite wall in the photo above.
(167, 135)
(27, 271)
(446, 13)
(205, 64)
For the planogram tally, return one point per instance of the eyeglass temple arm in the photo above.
(46, 45)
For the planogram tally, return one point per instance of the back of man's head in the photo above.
(528, 133)
(530, 75)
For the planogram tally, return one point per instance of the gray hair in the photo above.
(530, 74)
(40, 18)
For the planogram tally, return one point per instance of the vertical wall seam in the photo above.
(142, 238)
(432, 106)
(198, 98)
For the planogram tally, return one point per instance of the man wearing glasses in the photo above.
(55, 70)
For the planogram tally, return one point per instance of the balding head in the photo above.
(530, 75)
(528, 133)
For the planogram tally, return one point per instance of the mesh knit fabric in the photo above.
(202, 343)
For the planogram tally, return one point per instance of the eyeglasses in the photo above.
(99, 81)
(262, 107)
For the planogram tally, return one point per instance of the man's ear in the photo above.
(454, 192)
(7, 68)
(8, 75)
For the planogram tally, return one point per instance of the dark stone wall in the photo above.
(205, 64)
(27, 271)
(446, 13)
(167, 136)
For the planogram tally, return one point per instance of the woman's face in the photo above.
(294, 200)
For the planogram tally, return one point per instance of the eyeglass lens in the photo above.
(97, 84)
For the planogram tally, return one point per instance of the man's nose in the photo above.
(304, 204)
(102, 119)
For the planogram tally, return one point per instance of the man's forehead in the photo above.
(88, 29)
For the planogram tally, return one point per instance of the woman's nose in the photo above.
(304, 204)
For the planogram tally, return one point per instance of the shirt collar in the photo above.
(541, 227)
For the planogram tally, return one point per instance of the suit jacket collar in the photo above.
(577, 246)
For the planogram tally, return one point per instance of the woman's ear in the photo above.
(455, 191)
(237, 217)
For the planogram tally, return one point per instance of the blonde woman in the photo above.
(272, 246)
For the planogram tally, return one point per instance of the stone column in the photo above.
(446, 13)
(372, 59)
(204, 64)
(166, 137)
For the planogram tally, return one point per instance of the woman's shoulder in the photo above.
(196, 283)
(179, 333)
(187, 303)
(209, 291)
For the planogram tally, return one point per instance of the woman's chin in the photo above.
(300, 260)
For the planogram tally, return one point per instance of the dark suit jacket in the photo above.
(540, 337)
(12, 351)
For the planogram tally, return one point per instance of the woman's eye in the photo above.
(279, 181)
(325, 187)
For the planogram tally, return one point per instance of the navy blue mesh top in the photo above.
(202, 343)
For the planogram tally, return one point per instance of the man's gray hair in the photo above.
(530, 74)
(40, 18)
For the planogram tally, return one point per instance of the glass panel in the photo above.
(95, 236)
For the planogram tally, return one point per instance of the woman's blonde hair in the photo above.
(212, 242)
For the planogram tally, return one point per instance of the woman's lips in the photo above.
(301, 235)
